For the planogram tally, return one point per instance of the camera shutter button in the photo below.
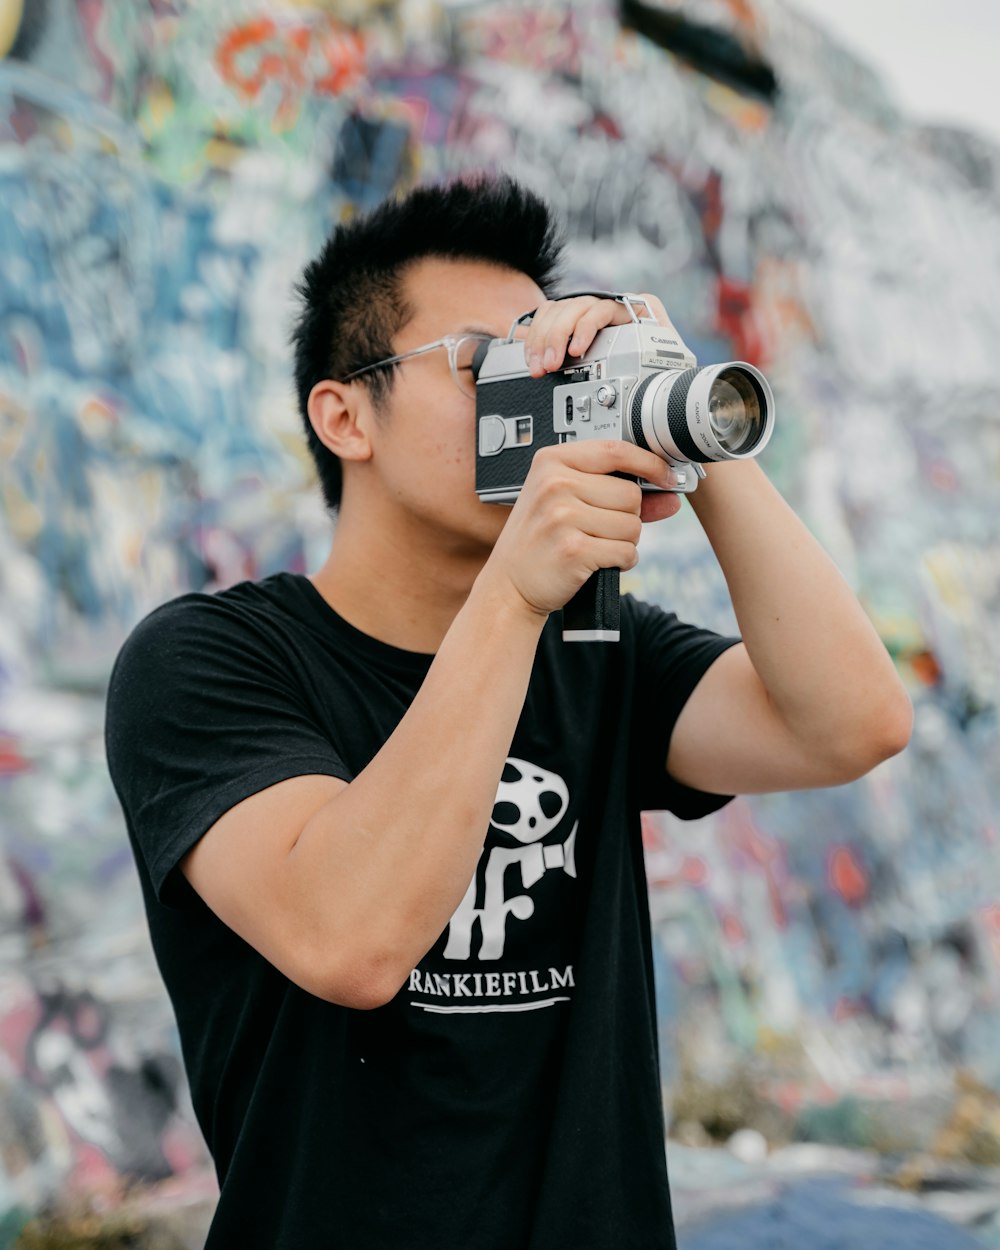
(607, 396)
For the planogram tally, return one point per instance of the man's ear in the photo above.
(340, 416)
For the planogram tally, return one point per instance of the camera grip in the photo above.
(592, 615)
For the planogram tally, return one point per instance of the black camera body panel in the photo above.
(514, 397)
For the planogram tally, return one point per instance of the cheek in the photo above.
(452, 447)
(430, 446)
(451, 455)
(453, 452)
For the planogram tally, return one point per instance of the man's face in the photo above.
(423, 442)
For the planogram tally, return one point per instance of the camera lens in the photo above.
(735, 411)
(718, 412)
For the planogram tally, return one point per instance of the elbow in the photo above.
(363, 983)
(360, 966)
(379, 989)
(367, 997)
(898, 728)
(885, 732)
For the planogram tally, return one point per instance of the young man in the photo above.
(387, 822)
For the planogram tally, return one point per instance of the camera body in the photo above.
(637, 382)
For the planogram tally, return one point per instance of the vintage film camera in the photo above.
(638, 382)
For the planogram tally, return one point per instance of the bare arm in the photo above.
(349, 901)
(811, 698)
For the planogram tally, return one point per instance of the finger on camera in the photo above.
(610, 524)
(566, 315)
(599, 455)
(617, 494)
(556, 483)
(603, 314)
(534, 340)
(655, 306)
(532, 337)
(611, 554)
(573, 330)
(588, 554)
(551, 329)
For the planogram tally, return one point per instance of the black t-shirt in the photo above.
(508, 1097)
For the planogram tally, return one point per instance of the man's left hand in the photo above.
(567, 327)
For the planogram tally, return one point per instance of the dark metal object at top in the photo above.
(709, 49)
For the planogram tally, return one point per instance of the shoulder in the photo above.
(669, 655)
(199, 626)
(648, 624)
(198, 654)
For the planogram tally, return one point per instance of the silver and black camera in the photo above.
(638, 382)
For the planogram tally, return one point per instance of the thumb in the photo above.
(658, 505)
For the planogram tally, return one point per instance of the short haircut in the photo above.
(352, 293)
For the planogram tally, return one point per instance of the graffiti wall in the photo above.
(166, 169)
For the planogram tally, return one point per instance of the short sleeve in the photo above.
(201, 714)
(671, 657)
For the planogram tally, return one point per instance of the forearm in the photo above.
(823, 666)
(388, 859)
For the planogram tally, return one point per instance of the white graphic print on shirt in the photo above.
(530, 802)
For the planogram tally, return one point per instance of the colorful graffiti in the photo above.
(167, 169)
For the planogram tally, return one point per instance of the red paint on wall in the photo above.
(847, 876)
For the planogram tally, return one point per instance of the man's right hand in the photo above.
(572, 518)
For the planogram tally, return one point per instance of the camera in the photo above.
(638, 382)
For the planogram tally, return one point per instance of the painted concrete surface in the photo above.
(827, 1199)
(826, 1215)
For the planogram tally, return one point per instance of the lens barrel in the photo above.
(719, 412)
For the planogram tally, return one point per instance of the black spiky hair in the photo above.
(352, 303)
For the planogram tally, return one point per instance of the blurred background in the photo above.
(828, 963)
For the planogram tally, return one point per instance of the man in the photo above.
(387, 822)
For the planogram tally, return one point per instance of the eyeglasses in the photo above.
(461, 350)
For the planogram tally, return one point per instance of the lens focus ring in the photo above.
(635, 413)
(677, 416)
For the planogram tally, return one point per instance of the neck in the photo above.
(403, 589)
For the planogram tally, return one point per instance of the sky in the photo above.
(939, 59)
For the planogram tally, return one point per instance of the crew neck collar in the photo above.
(319, 613)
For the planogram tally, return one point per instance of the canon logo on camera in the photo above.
(656, 339)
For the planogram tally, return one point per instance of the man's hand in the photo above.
(569, 326)
(572, 518)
